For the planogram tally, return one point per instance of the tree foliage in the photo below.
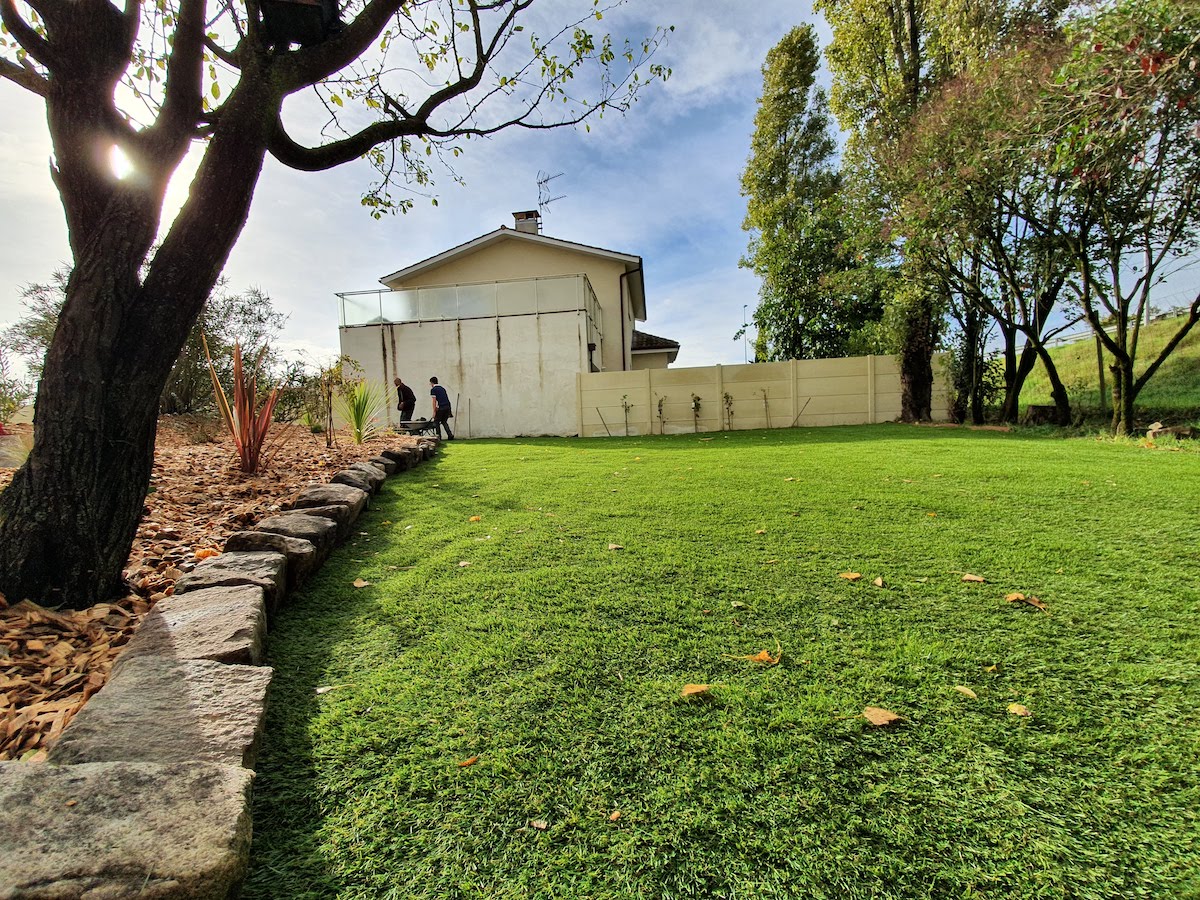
(794, 214)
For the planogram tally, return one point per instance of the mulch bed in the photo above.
(52, 661)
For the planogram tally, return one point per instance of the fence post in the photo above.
(871, 389)
(649, 402)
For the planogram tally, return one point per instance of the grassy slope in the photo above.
(559, 663)
(1175, 386)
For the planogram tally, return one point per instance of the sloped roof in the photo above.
(633, 264)
(644, 342)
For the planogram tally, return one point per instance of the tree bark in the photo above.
(68, 519)
(916, 366)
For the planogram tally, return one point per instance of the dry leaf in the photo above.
(360, 583)
(763, 656)
(966, 692)
(539, 824)
(931, 515)
(470, 761)
(462, 563)
(737, 604)
(761, 531)
(1018, 710)
(326, 689)
(206, 552)
(1018, 597)
(851, 576)
(616, 814)
(475, 519)
(616, 547)
(977, 579)
(880, 717)
(878, 582)
(789, 479)
(691, 690)
(992, 668)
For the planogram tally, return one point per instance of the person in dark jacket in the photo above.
(406, 400)
(442, 413)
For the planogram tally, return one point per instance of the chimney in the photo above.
(528, 221)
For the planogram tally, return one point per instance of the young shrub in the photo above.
(248, 426)
(362, 408)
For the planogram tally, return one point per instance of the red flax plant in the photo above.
(249, 428)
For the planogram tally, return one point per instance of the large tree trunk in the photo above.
(68, 519)
(1058, 391)
(916, 366)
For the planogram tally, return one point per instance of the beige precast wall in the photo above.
(510, 375)
(853, 391)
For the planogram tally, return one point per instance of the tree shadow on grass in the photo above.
(287, 859)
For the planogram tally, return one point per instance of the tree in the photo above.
(29, 337)
(793, 213)
(887, 56)
(151, 80)
(1121, 127)
(247, 318)
(969, 203)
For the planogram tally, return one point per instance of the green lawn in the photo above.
(522, 639)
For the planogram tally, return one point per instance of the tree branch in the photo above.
(307, 67)
(25, 76)
(185, 74)
(33, 43)
(317, 159)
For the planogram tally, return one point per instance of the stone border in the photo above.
(147, 792)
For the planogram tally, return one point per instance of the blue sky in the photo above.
(660, 182)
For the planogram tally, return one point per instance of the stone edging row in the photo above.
(147, 792)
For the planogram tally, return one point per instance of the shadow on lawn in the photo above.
(286, 858)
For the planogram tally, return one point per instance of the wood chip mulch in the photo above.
(52, 661)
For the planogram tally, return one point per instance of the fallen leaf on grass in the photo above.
(475, 519)
(360, 583)
(850, 576)
(1018, 597)
(616, 547)
(615, 815)
(976, 579)
(470, 761)
(539, 824)
(992, 668)
(326, 689)
(763, 656)
(880, 717)
(737, 604)
(789, 479)
(931, 515)
(462, 563)
(1018, 710)
(761, 531)
(692, 690)
(878, 582)
(966, 692)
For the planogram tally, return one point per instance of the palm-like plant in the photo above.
(361, 407)
(248, 426)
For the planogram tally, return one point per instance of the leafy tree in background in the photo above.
(968, 204)
(1120, 125)
(886, 57)
(248, 318)
(793, 214)
(154, 79)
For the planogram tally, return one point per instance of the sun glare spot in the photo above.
(121, 166)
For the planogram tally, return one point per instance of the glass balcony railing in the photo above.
(531, 296)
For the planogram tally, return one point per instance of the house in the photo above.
(507, 322)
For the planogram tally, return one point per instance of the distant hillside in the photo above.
(1175, 387)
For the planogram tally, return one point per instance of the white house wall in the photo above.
(512, 375)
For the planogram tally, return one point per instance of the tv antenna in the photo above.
(544, 196)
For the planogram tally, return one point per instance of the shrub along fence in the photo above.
(856, 390)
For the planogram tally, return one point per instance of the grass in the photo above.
(1174, 389)
(559, 663)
